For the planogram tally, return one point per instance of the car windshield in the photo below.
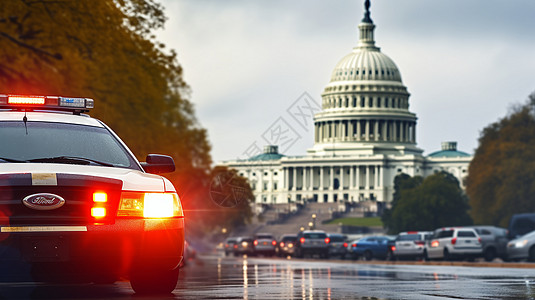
(337, 238)
(46, 142)
(315, 235)
(409, 237)
(264, 237)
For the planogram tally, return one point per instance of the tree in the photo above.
(106, 50)
(427, 204)
(501, 180)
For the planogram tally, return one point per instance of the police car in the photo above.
(75, 204)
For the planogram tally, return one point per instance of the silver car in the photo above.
(452, 243)
(522, 248)
(411, 244)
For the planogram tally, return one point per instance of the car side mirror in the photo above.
(157, 164)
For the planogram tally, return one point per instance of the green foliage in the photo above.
(374, 221)
(427, 204)
(501, 180)
(106, 50)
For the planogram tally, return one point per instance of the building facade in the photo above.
(364, 136)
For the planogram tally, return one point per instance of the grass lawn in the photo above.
(375, 221)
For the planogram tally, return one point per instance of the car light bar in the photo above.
(46, 102)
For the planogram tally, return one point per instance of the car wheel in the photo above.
(447, 255)
(531, 254)
(425, 256)
(154, 282)
(368, 255)
(490, 254)
(390, 256)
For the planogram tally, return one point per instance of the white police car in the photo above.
(76, 204)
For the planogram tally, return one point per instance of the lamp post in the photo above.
(313, 221)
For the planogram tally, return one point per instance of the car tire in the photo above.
(368, 255)
(154, 282)
(447, 255)
(531, 254)
(425, 256)
(490, 254)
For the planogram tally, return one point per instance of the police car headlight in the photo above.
(150, 205)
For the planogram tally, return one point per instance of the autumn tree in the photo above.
(427, 204)
(501, 180)
(107, 50)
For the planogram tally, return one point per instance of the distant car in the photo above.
(494, 240)
(264, 243)
(453, 243)
(229, 245)
(370, 247)
(337, 245)
(244, 245)
(286, 245)
(522, 248)
(411, 244)
(312, 242)
(521, 224)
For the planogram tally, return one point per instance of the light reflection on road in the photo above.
(214, 277)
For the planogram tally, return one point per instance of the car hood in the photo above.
(133, 180)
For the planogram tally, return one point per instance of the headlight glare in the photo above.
(150, 205)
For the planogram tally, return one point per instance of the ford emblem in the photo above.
(43, 201)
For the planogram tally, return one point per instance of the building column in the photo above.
(376, 130)
(367, 186)
(350, 131)
(341, 178)
(294, 181)
(311, 179)
(395, 129)
(332, 178)
(376, 179)
(367, 131)
(351, 177)
(321, 179)
(286, 179)
(303, 180)
(381, 176)
(357, 177)
(414, 133)
(358, 130)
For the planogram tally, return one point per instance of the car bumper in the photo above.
(517, 253)
(126, 245)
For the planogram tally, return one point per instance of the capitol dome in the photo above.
(363, 64)
(365, 106)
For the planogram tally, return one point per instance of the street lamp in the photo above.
(313, 221)
(310, 225)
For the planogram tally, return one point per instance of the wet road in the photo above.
(214, 277)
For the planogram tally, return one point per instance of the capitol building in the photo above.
(364, 136)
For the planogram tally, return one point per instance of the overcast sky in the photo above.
(465, 63)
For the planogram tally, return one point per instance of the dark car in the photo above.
(228, 246)
(494, 241)
(521, 224)
(244, 245)
(264, 244)
(371, 247)
(337, 245)
(286, 245)
(76, 204)
(312, 242)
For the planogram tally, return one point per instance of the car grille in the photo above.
(76, 190)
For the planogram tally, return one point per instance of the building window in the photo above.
(265, 186)
(275, 185)
(275, 173)
(265, 173)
